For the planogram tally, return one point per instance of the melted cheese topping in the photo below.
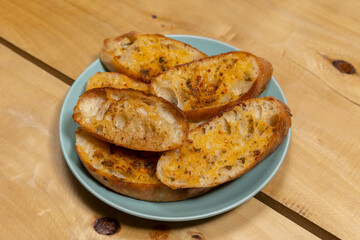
(115, 80)
(151, 55)
(210, 82)
(221, 150)
(111, 161)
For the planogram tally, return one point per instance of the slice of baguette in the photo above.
(205, 87)
(143, 56)
(115, 80)
(227, 146)
(131, 173)
(131, 119)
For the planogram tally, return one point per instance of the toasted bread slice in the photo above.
(131, 119)
(227, 146)
(131, 173)
(205, 87)
(143, 56)
(115, 80)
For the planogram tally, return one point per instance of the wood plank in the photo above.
(320, 176)
(41, 199)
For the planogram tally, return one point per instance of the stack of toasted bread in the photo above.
(170, 123)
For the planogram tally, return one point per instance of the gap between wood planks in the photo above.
(61, 76)
(262, 197)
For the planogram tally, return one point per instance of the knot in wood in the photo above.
(106, 225)
(344, 66)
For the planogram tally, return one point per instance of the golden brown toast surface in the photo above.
(125, 171)
(131, 119)
(227, 146)
(143, 56)
(205, 87)
(115, 80)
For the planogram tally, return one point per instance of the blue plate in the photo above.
(217, 201)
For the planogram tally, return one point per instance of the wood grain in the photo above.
(319, 178)
(41, 199)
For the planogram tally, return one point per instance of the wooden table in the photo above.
(45, 45)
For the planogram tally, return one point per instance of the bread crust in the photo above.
(205, 112)
(99, 108)
(110, 56)
(149, 189)
(277, 133)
